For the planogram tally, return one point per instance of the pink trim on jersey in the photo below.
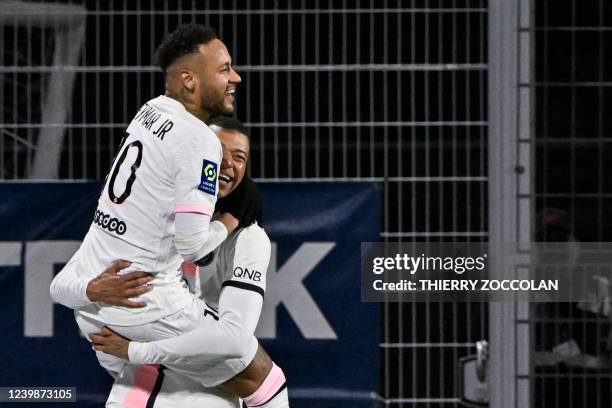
(144, 381)
(189, 268)
(193, 208)
(271, 384)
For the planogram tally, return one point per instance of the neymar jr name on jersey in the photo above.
(147, 116)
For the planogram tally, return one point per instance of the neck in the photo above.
(187, 101)
(198, 113)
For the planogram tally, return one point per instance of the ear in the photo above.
(188, 80)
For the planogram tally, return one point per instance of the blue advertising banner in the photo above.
(313, 323)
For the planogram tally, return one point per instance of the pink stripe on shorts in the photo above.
(144, 381)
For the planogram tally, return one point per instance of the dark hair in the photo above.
(227, 122)
(183, 41)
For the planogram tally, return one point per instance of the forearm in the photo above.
(240, 305)
(203, 345)
(196, 236)
(68, 289)
(230, 337)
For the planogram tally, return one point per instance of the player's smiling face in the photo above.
(218, 80)
(235, 157)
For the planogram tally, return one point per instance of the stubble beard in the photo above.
(217, 107)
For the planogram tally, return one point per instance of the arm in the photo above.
(195, 169)
(195, 236)
(73, 291)
(67, 288)
(240, 306)
(228, 338)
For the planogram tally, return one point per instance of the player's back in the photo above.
(159, 166)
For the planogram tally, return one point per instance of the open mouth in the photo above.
(231, 92)
(224, 178)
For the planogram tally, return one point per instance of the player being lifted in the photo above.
(156, 205)
(228, 294)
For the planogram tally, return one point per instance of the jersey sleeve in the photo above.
(250, 261)
(196, 166)
(195, 236)
(191, 277)
(228, 338)
(69, 289)
(232, 336)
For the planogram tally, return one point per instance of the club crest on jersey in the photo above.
(208, 181)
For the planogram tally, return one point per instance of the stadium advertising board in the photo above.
(313, 323)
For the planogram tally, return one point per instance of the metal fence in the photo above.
(548, 125)
(572, 191)
(391, 91)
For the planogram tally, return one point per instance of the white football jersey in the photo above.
(168, 162)
(240, 261)
(233, 286)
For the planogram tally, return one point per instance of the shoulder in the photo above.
(250, 251)
(190, 125)
(253, 234)
(251, 242)
(199, 140)
(171, 106)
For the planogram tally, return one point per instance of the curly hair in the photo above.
(183, 41)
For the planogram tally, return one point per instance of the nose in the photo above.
(234, 77)
(227, 160)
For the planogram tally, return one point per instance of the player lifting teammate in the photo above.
(156, 205)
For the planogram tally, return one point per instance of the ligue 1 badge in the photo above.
(208, 180)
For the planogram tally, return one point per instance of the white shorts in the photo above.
(185, 320)
(155, 386)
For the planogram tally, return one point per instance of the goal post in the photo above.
(68, 22)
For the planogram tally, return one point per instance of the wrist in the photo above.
(89, 291)
(131, 352)
(229, 221)
(136, 353)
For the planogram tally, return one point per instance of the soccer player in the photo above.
(233, 286)
(235, 279)
(156, 204)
